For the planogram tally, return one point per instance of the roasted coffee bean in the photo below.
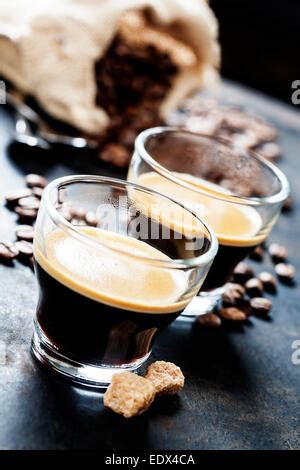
(257, 254)
(288, 204)
(209, 320)
(8, 251)
(156, 91)
(232, 313)
(254, 287)
(24, 232)
(242, 273)
(127, 137)
(278, 252)
(236, 119)
(30, 202)
(260, 305)
(286, 272)
(237, 187)
(233, 293)
(25, 248)
(26, 215)
(32, 180)
(270, 151)
(37, 192)
(269, 282)
(246, 139)
(13, 197)
(91, 219)
(75, 221)
(203, 124)
(78, 213)
(244, 306)
(65, 212)
(115, 154)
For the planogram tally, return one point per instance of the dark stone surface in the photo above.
(242, 390)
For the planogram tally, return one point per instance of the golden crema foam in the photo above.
(110, 277)
(234, 224)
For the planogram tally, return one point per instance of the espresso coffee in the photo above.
(238, 227)
(100, 306)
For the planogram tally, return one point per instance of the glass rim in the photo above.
(279, 197)
(61, 222)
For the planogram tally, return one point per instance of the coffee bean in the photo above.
(269, 281)
(26, 215)
(75, 221)
(254, 287)
(285, 271)
(33, 180)
(65, 212)
(260, 305)
(257, 254)
(270, 151)
(8, 251)
(278, 252)
(78, 213)
(209, 320)
(115, 154)
(202, 124)
(37, 192)
(24, 232)
(247, 139)
(30, 202)
(244, 306)
(127, 137)
(233, 293)
(288, 204)
(13, 197)
(232, 313)
(91, 219)
(25, 248)
(242, 273)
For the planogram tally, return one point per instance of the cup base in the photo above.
(79, 373)
(203, 303)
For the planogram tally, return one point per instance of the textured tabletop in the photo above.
(242, 389)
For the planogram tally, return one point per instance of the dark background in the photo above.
(260, 43)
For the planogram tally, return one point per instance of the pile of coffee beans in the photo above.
(244, 296)
(140, 110)
(25, 203)
(78, 216)
(132, 83)
(234, 125)
(231, 124)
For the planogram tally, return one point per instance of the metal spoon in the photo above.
(30, 128)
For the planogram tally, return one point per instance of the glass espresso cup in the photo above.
(115, 264)
(238, 193)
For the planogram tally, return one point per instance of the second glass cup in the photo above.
(238, 193)
(115, 263)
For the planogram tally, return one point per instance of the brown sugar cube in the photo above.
(166, 377)
(129, 394)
